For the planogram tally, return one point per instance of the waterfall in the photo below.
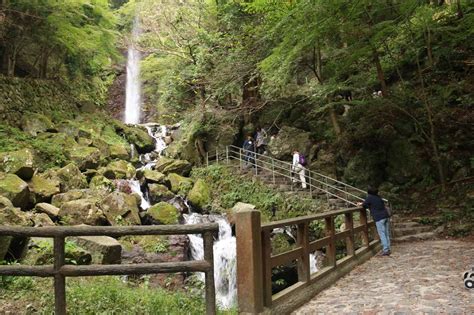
(133, 88)
(225, 267)
(135, 187)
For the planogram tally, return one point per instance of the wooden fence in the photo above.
(60, 271)
(255, 260)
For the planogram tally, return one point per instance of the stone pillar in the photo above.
(249, 259)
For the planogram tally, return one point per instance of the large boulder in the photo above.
(82, 211)
(324, 163)
(154, 176)
(104, 148)
(164, 213)
(15, 189)
(158, 192)
(10, 215)
(33, 123)
(47, 209)
(137, 136)
(119, 152)
(43, 188)
(282, 145)
(121, 209)
(105, 250)
(119, 170)
(166, 166)
(200, 195)
(179, 184)
(85, 157)
(40, 219)
(69, 177)
(19, 162)
(42, 253)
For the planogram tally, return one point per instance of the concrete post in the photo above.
(249, 260)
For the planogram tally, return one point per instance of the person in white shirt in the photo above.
(298, 168)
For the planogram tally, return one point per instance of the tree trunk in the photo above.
(380, 74)
(43, 71)
(429, 48)
(335, 123)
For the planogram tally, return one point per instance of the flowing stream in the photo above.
(133, 88)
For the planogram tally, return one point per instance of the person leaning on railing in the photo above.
(381, 217)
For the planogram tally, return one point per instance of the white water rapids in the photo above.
(133, 88)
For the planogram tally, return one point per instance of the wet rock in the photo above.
(200, 195)
(47, 209)
(43, 188)
(69, 177)
(167, 166)
(164, 213)
(179, 184)
(34, 123)
(85, 157)
(119, 170)
(40, 219)
(158, 192)
(19, 162)
(15, 189)
(82, 211)
(121, 209)
(104, 249)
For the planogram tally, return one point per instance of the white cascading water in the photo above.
(135, 187)
(225, 268)
(133, 88)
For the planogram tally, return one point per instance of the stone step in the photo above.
(415, 237)
(404, 225)
(398, 232)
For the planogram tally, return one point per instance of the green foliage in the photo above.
(228, 188)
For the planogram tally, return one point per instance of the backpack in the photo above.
(302, 159)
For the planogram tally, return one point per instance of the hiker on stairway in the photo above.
(249, 151)
(298, 167)
(260, 140)
(381, 217)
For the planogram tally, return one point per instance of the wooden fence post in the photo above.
(210, 287)
(249, 260)
(331, 248)
(349, 221)
(59, 279)
(303, 262)
(365, 232)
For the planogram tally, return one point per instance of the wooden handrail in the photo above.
(60, 271)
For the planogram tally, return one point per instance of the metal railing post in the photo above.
(217, 156)
(227, 154)
(255, 161)
(310, 184)
(207, 159)
(240, 158)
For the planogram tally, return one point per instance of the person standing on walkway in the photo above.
(381, 217)
(260, 140)
(249, 151)
(298, 167)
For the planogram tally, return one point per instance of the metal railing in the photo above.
(316, 182)
(60, 271)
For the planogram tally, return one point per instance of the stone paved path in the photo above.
(418, 278)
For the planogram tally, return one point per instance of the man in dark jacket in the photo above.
(249, 151)
(381, 217)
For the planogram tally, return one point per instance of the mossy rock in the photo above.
(179, 184)
(21, 163)
(166, 166)
(200, 194)
(119, 170)
(85, 157)
(43, 188)
(154, 176)
(164, 213)
(15, 189)
(75, 194)
(288, 139)
(82, 211)
(136, 135)
(33, 123)
(103, 147)
(10, 215)
(158, 192)
(121, 209)
(119, 152)
(101, 182)
(69, 177)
